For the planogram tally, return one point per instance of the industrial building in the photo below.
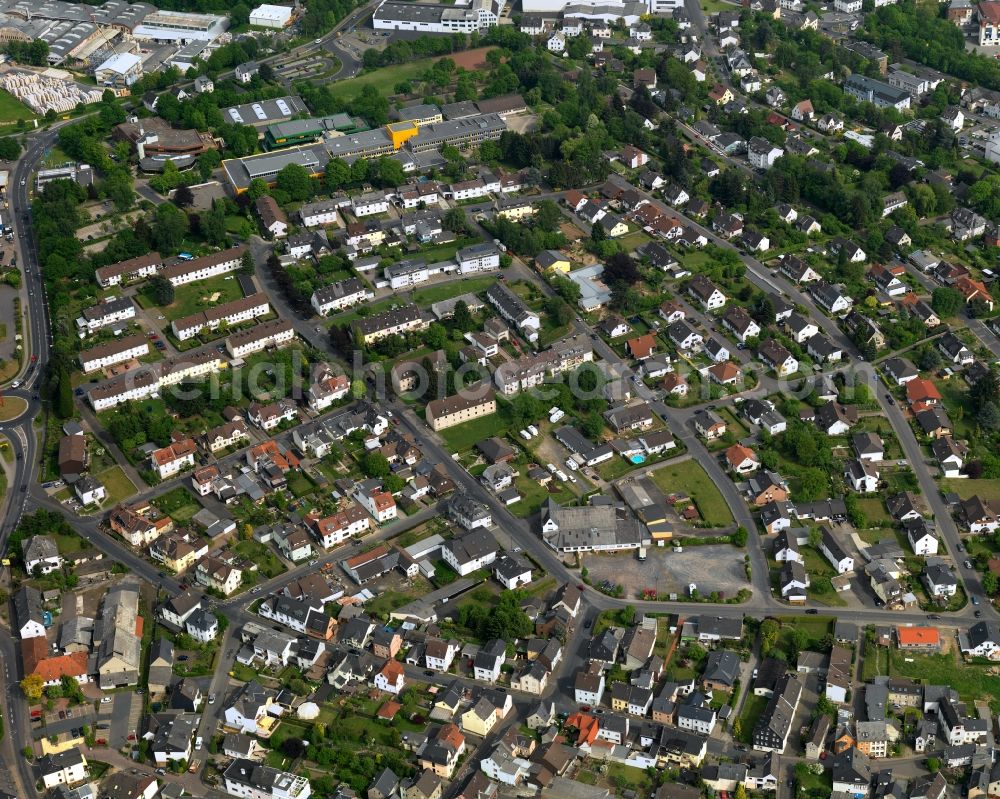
(123, 69)
(181, 27)
(436, 18)
(269, 16)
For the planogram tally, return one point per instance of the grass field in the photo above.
(689, 476)
(461, 437)
(987, 489)
(384, 79)
(12, 109)
(752, 709)
(179, 504)
(874, 511)
(445, 291)
(197, 296)
(117, 484)
(971, 681)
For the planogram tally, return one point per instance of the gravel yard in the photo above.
(711, 568)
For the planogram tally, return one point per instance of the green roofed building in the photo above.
(306, 131)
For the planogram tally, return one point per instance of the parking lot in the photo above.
(710, 568)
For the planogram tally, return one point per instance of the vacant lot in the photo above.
(690, 478)
(710, 568)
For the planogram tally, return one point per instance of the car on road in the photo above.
(582, 587)
(106, 700)
(198, 742)
(428, 673)
(968, 564)
(933, 616)
(811, 612)
(975, 600)
(211, 699)
(978, 614)
(255, 590)
(586, 624)
(313, 562)
(161, 771)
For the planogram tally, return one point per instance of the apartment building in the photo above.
(147, 381)
(396, 321)
(127, 271)
(236, 312)
(450, 411)
(110, 312)
(340, 295)
(218, 263)
(273, 333)
(114, 352)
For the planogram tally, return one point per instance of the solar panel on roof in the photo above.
(283, 107)
(236, 116)
(259, 111)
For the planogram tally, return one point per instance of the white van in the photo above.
(525, 435)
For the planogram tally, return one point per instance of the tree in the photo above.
(32, 687)
(170, 225)
(375, 465)
(990, 583)
(64, 398)
(161, 290)
(741, 791)
(10, 149)
(769, 630)
(737, 729)
(183, 197)
(946, 301)
(933, 765)
(559, 311)
(294, 180)
(462, 316)
(247, 265)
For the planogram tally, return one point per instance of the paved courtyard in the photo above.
(711, 568)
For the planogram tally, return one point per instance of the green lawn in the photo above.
(874, 511)
(452, 288)
(384, 79)
(445, 252)
(12, 109)
(820, 572)
(268, 564)
(752, 710)
(117, 484)
(986, 488)
(198, 296)
(689, 476)
(970, 680)
(533, 495)
(178, 503)
(461, 437)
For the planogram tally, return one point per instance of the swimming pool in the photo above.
(638, 459)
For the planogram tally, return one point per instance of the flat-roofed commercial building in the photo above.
(181, 27)
(437, 18)
(269, 16)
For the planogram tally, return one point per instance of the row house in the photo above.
(207, 266)
(231, 313)
(273, 333)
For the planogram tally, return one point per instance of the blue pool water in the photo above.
(638, 459)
